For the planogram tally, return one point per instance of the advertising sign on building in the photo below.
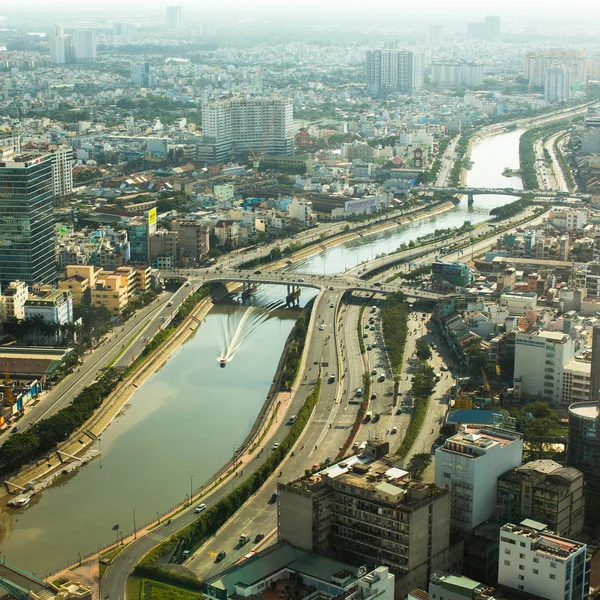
(354, 205)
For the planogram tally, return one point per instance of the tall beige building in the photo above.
(366, 510)
(537, 63)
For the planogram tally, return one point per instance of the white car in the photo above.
(200, 508)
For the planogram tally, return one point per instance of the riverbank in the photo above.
(45, 470)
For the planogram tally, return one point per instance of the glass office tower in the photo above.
(27, 241)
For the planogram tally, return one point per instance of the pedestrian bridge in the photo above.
(477, 191)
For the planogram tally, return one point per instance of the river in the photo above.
(186, 419)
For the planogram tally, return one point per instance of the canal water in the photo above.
(185, 420)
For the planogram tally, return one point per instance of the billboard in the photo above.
(152, 216)
(353, 205)
(447, 268)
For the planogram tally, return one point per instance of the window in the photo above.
(506, 551)
(552, 576)
(521, 556)
(553, 565)
(536, 560)
(520, 587)
(507, 563)
(522, 544)
(535, 572)
(521, 577)
(521, 567)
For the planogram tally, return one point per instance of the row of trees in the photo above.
(394, 324)
(511, 209)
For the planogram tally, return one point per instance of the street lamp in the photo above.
(191, 484)
(134, 527)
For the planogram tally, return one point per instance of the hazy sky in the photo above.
(587, 9)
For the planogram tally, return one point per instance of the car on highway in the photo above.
(443, 368)
(15, 429)
(358, 392)
(273, 498)
(187, 284)
(169, 303)
(369, 347)
(257, 272)
(399, 411)
(374, 371)
(331, 288)
(200, 508)
(221, 556)
(331, 305)
(275, 445)
(373, 396)
(301, 280)
(365, 335)
(259, 537)
(394, 429)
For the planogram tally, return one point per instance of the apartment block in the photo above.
(369, 512)
(232, 128)
(15, 296)
(163, 248)
(545, 491)
(468, 465)
(446, 586)
(393, 70)
(193, 238)
(540, 358)
(537, 563)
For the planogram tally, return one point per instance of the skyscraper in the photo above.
(85, 46)
(231, 128)
(393, 71)
(557, 84)
(62, 170)
(58, 49)
(492, 27)
(174, 17)
(27, 243)
(435, 36)
(140, 74)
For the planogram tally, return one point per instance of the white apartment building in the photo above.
(588, 277)
(224, 192)
(469, 464)
(58, 49)
(557, 84)
(435, 36)
(15, 296)
(456, 74)
(174, 17)
(301, 210)
(540, 358)
(233, 127)
(537, 563)
(568, 219)
(140, 74)
(393, 70)
(62, 170)
(84, 46)
(518, 303)
(537, 63)
(576, 381)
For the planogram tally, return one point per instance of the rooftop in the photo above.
(474, 442)
(544, 542)
(588, 410)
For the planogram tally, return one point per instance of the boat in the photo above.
(19, 502)
(222, 362)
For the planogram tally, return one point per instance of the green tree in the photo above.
(423, 350)
(418, 463)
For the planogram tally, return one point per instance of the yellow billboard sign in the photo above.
(152, 216)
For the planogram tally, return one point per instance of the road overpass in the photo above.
(293, 281)
(470, 192)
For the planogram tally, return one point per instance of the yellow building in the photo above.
(77, 285)
(110, 291)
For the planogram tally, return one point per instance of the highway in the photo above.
(146, 322)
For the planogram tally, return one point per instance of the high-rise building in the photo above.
(126, 30)
(393, 71)
(62, 170)
(56, 30)
(543, 489)
(435, 36)
(492, 26)
(583, 447)
(537, 563)
(174, 17)
(27, 242)
(233, 127)
(85, 46)
(557, 84)
(469, 464)
(58, 49)
(140, 74)
(456, 74)
(595, 371)
(537, 63)
(540, 358)
(366, 510)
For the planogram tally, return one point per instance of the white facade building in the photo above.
(84, 46)
(58, 49)
(62, 170)
(539, 362)
(568, 219)
(456, 74)
(518, 303)
(56, 308)
(435, 36)
(557, 84)
(394, 70)
(231, 128)
(301, 210)
(469, 463)
(15, 296)
(537, 63)
(576, 381)
(536, 562)
(174, 17)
